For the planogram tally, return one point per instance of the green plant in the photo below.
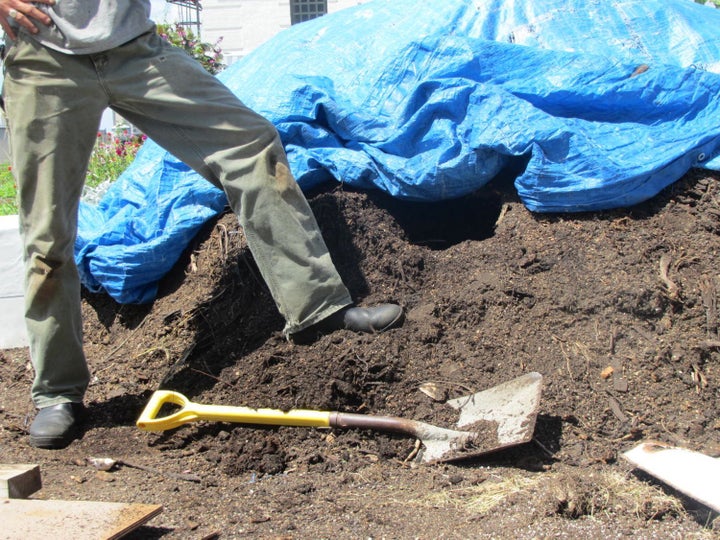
(8, 191)
(209, 55)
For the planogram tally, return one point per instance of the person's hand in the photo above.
(24, 13)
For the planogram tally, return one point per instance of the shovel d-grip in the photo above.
(193, 412)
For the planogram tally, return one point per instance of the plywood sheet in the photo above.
(71, 520)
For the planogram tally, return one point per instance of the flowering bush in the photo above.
(209, 55)
(111, 156)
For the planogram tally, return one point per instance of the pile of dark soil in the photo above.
(618, 310)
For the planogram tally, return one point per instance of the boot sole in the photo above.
(52, 443)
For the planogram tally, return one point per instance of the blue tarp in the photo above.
(610, 101)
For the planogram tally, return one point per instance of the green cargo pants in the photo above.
(54, 103)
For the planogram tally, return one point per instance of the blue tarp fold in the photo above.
(609, 101)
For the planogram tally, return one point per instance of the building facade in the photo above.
(245, 24)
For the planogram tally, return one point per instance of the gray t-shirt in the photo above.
(92, 26)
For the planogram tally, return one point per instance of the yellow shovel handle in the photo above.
(191, 412)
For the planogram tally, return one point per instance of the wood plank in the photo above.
(71, 520)
(19, 481)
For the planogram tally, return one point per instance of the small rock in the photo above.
(456, 478)
(605, 373)
(305, 488)
(620, 384)
(104, 476)
(433, 391)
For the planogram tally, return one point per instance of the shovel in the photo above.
(490, 420)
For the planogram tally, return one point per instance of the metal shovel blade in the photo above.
(491, 420)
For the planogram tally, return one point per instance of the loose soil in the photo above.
(618, 310)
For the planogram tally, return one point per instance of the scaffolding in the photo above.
(189, 14)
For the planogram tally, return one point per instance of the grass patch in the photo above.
(570, 495)
(8, 191)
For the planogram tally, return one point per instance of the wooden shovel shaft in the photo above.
(390, 424)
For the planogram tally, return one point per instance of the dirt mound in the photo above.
(618, 310)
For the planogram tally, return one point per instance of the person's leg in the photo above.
(52, 120)
(196, 118)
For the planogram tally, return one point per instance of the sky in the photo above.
(161, 11)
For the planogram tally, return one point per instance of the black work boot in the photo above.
(374, 319)
(55, 426)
